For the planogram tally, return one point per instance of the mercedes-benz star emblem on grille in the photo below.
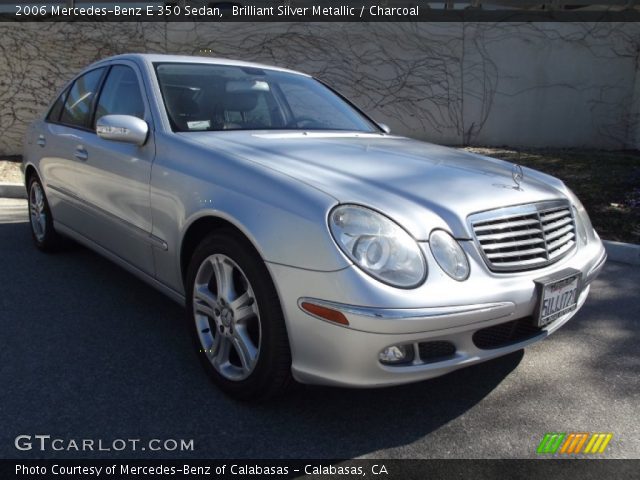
(517, 174)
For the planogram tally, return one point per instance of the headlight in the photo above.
(378, 246)
(449, 255)
(583, 222)
(582, 232)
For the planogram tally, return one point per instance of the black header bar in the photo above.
(293, 11)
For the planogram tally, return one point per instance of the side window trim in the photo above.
(94, 103)
(96, 98)
(105, 69)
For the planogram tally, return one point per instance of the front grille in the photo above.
(526, 236)
(431, 352)
(505, 334)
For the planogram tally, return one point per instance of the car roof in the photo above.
(159, 58)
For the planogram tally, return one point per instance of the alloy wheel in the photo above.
(37, 212)
(227, 317)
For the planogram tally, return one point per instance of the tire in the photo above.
(248, 356)
(40, 219)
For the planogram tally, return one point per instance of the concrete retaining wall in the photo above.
(529, 84)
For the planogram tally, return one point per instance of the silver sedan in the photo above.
(305, 240)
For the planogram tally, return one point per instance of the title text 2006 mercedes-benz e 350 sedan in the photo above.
(306, 241)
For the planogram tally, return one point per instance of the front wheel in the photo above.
(236, 319)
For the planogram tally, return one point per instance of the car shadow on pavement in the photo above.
(96, 353)
(363, 421)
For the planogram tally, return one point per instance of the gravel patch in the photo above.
(10, 172)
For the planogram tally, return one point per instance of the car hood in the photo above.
(421, 185)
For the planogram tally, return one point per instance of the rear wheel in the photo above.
(44, 235)
(236, 319)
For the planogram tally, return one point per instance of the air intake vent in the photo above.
(506, 334)
(431, 352)
(526, 236)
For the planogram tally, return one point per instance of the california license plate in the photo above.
(558, 296)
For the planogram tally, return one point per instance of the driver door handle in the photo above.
(81, 153)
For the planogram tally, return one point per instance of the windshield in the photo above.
(203, 97)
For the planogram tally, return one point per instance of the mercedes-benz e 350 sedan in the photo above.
(305, 240)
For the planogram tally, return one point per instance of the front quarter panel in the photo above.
(283, 218)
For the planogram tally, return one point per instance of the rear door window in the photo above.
(77, 107)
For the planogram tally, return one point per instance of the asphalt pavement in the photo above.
(87, 351)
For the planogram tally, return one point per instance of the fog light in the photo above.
(396, 354)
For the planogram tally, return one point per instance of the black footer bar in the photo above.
(319, 469)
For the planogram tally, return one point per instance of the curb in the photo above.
(12, 190)
(622, 252)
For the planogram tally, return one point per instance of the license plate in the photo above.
(558, 296)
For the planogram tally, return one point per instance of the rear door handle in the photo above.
(42, 141)
(81, 153)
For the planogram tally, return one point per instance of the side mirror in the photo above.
(123, 128)
(385, 128)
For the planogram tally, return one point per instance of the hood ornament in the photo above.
(518, 175)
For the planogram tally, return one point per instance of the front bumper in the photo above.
(441, 310)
